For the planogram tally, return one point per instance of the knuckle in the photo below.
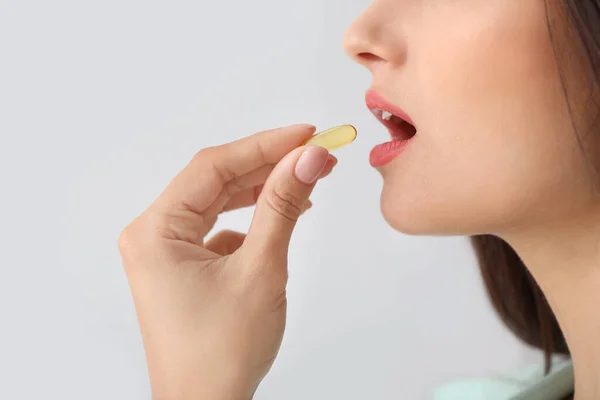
(128, 239)
(233, 187)
(182, 226)
(208, 159)
(204, 154)
(285, 204)
(260, 150)
(134, 241)
(204, 158)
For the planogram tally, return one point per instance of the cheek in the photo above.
(483, 188)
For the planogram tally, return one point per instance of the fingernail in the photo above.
(302, 126)
(310, 164)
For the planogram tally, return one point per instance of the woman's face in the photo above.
(495, 148)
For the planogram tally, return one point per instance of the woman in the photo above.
(494, 135)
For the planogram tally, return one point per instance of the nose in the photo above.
(374, 38)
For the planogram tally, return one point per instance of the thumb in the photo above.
(282, 200)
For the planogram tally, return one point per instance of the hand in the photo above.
(212, 314)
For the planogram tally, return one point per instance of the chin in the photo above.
(404, 214)
(419, 216)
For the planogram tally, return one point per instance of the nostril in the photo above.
(369, 57)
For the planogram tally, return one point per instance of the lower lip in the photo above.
(384, 153)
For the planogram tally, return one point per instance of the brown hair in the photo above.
(512, 290)
(517, 298)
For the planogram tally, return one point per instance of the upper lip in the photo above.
(375, 100)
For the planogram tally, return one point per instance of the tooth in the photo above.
(386, 115)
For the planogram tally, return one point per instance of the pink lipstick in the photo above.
(401, 127)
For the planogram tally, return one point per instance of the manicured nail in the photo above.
(302, 126)
(311, 163)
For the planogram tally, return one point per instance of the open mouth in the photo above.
(400, 129)
(400, 125)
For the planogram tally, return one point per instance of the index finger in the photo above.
(199, 184)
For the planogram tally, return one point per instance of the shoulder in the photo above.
(526, 383)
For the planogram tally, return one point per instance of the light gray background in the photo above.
(103, 102)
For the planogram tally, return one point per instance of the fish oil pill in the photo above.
(334, 138)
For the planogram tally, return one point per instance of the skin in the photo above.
(495, 152)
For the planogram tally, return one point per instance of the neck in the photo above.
(565, 262)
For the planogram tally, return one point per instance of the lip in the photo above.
(386, 152)
(375, 100)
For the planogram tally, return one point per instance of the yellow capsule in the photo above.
(334, 138)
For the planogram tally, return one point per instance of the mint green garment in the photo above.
(526, 384)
